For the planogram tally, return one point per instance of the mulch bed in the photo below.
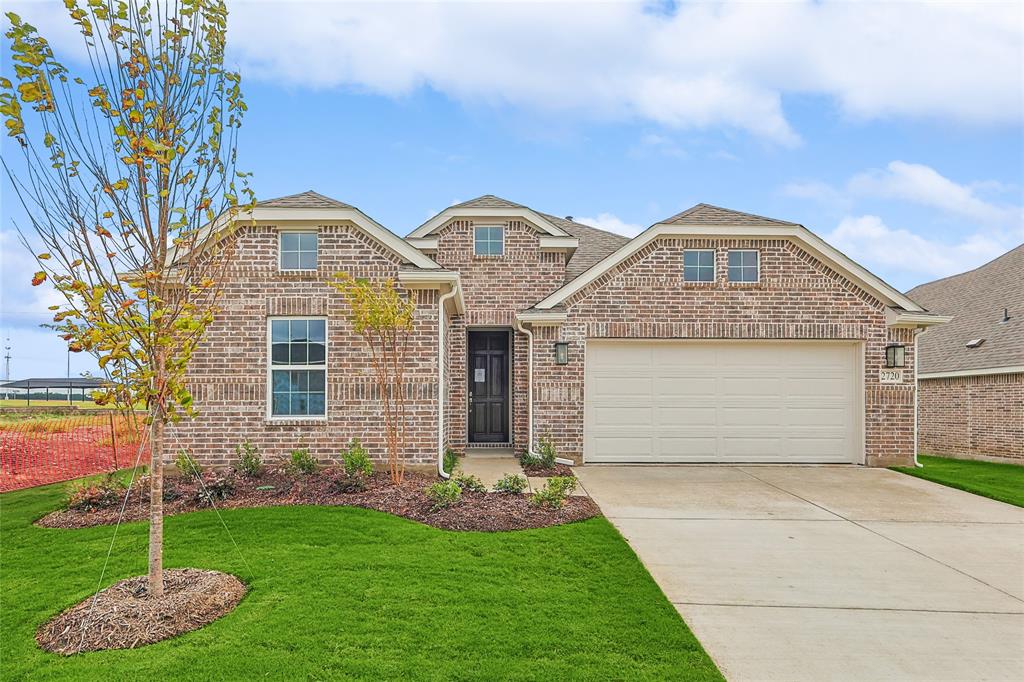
(123, 617)
(476, 511)
(548, 472)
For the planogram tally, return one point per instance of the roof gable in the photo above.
(488, 206)
(706, 214)
(307, 199)
(976, 299)
(707, 220)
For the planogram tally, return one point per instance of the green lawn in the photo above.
(1003, 482)
(352, 593)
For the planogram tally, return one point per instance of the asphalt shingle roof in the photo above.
(488, 201)
(308, 199)
(976, 300)
(706, 214)
(595, 244)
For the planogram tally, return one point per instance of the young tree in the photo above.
(128, 178)
(385, 321)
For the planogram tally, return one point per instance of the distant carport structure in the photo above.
(67, 383)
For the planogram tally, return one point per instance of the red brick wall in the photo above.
(494, 288)
(228, 375)
(798, 297)
(973, 417)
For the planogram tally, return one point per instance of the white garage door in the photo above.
(682, 401)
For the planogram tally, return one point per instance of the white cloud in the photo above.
(924, 185)
(869, 240)
(703, 65)
(612, 223)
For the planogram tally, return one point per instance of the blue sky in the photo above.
(893, 130)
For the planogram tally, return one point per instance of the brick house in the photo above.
(713, 336)
(971, 381)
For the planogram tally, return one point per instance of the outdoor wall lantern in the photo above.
(895, 355)
(561, 352)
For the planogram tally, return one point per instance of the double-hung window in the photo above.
(489, 240)
(698, 265)
(298, 250)
(743, 266)
(298, 367)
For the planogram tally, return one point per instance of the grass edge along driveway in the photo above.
(339, 592)
(995, 480)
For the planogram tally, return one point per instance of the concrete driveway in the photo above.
(828, 573)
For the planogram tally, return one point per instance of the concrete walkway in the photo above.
(828, 573)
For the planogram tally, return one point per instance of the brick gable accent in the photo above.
(494, 289)
(228, 375)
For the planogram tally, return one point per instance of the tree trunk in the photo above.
(156, 505)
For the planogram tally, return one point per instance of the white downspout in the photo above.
(917, 387)
(440, 377)
(529, 394)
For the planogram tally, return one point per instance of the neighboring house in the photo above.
(971, 381)
(713, 336)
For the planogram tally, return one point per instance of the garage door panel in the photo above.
(693, 414)
(722, 402)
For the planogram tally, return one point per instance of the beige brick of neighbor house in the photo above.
(714, 336)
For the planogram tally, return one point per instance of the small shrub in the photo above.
(343, 483)
(450, 461)
(171, 492)
(469, 483)
(187, 466)
(529, 460)
(357, 460)
(106, 493)
(546, 450)
(250, 463)
(513, 484)
(554, 492)
(302, 462)
(214, 487)
(444, 494)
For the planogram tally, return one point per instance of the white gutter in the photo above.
(917, 387)
(518, 325)
(440, 377)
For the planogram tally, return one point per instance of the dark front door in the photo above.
(488, 386)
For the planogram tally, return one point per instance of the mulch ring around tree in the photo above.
(476, 511)
(124, 617)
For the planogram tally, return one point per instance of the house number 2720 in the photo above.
(891, 376)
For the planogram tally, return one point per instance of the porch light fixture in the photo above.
(561, 352)
(895, 355)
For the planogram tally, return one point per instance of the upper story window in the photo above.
(744, 266)
(699, 265)
(298, 250)
(489, 240)
(298, 367)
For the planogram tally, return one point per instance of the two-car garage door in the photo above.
(722, 401)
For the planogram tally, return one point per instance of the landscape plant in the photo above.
(104, 493)
(383, 318)
(512, 484)
(468, 482)
(301, 462)
(187, 466)
(444, 494)
(127, 175)
(356, 460)
(250, 462)
(554, 492)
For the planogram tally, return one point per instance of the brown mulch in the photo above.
(548, 472)
(123, 617)
(476, 511)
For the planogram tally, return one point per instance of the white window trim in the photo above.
(280, 249)
(489, 255)
(757, 268)
(714, 266)
(270, 416)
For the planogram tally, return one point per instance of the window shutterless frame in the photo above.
(298, 250)
(698, 265)
(297, 367)
(744, 266)
(488, 240)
